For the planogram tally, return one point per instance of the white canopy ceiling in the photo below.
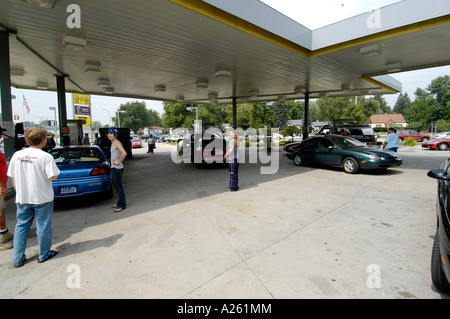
(211, 51)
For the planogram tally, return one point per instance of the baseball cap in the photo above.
(113, 131)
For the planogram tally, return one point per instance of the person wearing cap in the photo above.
(32, 171)
(5, 235)
(118, 155)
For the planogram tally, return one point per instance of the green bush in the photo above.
(410, 142)
(283, 143)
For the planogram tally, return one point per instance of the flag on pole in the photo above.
(26, 105)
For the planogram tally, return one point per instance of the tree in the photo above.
(135, 117)
(385, 108)
(208, 114)
(421, 110)
(280, 115)
(403, 103)
(175, 114)
(369, 107)
(440, 90)
(329, 109)
(291, 130)
(355, 111)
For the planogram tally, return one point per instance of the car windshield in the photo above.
(136, 139)
(347, 142)
(76, 155)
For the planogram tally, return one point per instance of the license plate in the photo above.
(68, 190)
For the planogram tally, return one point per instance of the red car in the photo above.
(404, 134)
(441, 144)
(136, 143)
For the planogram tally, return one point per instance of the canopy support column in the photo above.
(234, 113)
(5, 92)
(62, 112)
(306, 117)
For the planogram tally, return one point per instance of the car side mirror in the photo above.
(439, 174)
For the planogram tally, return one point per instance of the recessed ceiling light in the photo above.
(49, 4)
(394, 67)
(109, 90)
(92, 67)
(253, 93)
(213, 95)
(222, 74)
(299, 90)
(17, 72)
(42, 85)
(160, 88)
(103, 82)
(347, 86)
(372, 50)
(202, 84)
(74, 43)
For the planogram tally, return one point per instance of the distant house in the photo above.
(387, 120)
(298, 123)
(153, 129)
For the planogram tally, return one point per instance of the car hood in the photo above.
(378, 152)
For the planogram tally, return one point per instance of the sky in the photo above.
(312, 14)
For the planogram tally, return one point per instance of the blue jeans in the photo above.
(116, 175)
(234, 177)
(25, 215)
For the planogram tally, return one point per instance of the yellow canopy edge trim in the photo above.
(378, 83)
(385, 35)
(237, 23)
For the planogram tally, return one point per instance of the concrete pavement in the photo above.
(301, 233)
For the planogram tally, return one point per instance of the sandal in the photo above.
(52, 254)
(114, 206)
(118, 210)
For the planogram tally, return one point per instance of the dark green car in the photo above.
(341, 151)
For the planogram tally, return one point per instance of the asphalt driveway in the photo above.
(300, 233)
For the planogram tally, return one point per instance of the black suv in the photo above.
(440, 257)
(360, 132)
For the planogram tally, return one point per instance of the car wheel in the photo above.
(350, 165)
(298, 160)
(437, 273)
(424, 139)
(443, 146)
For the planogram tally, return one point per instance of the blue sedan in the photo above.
(84, 170)
(341, 151)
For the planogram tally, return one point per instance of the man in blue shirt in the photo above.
(392, 140)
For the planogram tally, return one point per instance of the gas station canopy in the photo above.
(216, 50)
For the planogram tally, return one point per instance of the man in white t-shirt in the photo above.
(31, 171)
